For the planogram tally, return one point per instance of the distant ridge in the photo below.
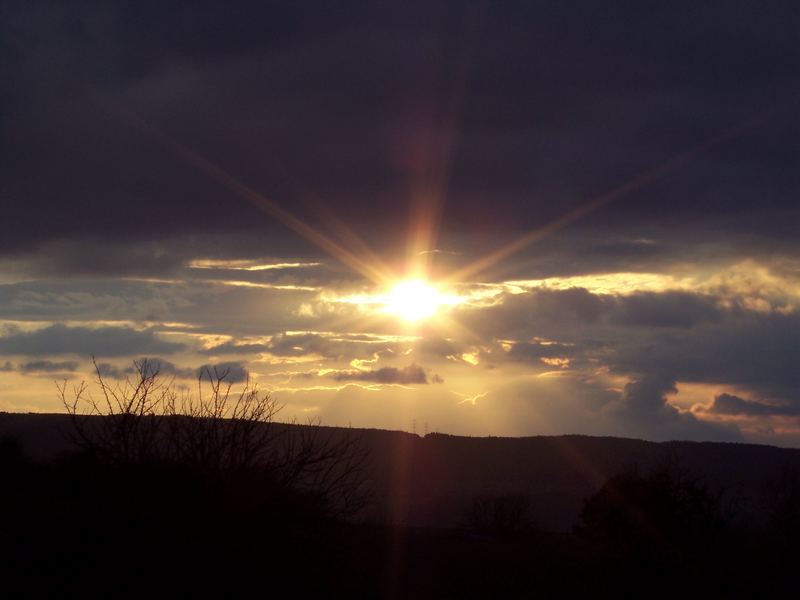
(431, 481)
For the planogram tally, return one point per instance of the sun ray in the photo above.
(333, 222)
(429, 194)
(221, 176)
(641, 180)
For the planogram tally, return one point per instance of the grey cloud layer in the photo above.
(404, 375)
(41, 366)
(729, 404)
(100, 341)
(230, 372)
(550, 116)
(658, 339)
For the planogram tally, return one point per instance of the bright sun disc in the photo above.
(414, 300)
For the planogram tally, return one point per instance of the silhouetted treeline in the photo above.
(81, 520)
(84, 521)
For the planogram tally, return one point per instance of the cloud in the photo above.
(149, 366)
(539, 146)
(285, 344)
(113, 371)
(666, 309)
(645, 398)
(542, 313)
(330, 346)
(747, 349)
(728, 404)
(643, 408)
(47, 366)
(232, 372)
(98, 341)
(406, 375)
(669, 336)
(573, 115)
(535, 351)
(236, 348)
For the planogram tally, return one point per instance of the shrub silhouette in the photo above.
(147, 420)
(781, 504)
(663, 515)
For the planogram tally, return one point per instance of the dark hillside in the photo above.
(431, 481)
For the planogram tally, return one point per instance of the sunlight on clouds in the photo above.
(471, 358)
(465, 336)
(561, 362)
(247, 265)
(360, 363)
(757, 287)
(266, 286)
(553, 374)
(370, 387)
(226, 282)
(471, 400)
(749, 284)
(605, 283)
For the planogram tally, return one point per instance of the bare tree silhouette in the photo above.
(781, 506)
(147, 419)
(666, 512)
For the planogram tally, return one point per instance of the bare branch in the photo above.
(144, 419)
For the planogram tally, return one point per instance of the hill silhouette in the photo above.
(450, 517)
(432, 481)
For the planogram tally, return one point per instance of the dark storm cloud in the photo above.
(91, 299)
(667, 309)
(172, 258)
(752, 350)
(655, 338)
(406, 375)
(105, 258)
(729, 404)
(552, 314)
(645, 398)
(208, 306)
(100, 341)
(643, 407)
(575, 313)
(560, 102)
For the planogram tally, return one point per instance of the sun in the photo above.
(409, 300)
(414, 300)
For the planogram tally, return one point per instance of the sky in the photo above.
(517, 218)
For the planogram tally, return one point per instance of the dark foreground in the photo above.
(84, 525)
